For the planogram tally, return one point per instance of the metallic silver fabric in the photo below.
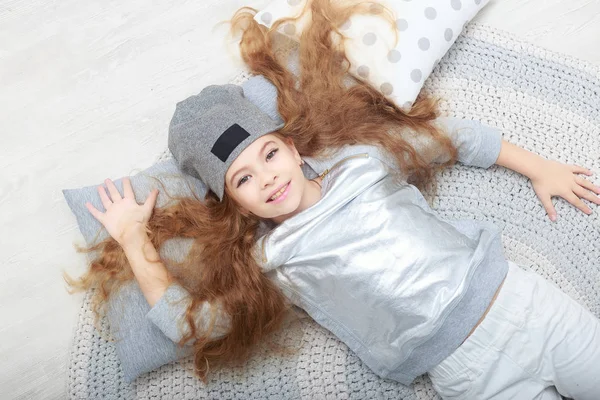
(373, 263)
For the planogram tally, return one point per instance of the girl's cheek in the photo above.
(250, 193)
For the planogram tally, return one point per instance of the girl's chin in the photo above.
(286, 210)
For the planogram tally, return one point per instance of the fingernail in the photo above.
(553, 218)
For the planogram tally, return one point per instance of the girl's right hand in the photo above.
(124, 218)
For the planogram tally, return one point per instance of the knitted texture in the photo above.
(543, 101)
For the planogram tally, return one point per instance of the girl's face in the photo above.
(266, 179)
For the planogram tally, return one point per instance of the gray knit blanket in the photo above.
(543, 101)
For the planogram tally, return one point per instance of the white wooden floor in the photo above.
(87, 89)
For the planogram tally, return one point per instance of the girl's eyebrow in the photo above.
(242, 168)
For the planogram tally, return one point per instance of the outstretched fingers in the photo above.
(587, 184)
(127, 189)
(580, 170)
(112, 189)
(106, 201)
(577, 202)
(95, 213)
(151, 201)
(586, 194)
(546, 200)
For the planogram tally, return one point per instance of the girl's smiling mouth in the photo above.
(281, 194)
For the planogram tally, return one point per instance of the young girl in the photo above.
(324, 211)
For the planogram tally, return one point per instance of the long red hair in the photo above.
(320, 113)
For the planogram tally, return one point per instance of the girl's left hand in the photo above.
(556, 179)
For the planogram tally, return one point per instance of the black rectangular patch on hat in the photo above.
(228, 141)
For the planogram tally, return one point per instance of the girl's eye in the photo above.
(273, 154)
(270, 155)
(242, 181)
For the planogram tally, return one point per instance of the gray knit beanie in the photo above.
(208, 131)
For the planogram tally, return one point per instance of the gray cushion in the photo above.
(141, 346)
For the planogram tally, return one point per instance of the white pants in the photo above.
(534, 343)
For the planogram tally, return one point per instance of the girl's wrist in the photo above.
(134, 239)
(520, 160)
(536, 166)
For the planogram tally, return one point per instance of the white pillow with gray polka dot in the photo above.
(426, 30)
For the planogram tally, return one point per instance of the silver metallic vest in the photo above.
(374, 264)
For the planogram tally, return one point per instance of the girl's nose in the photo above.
(268, 180)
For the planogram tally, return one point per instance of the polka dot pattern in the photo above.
(363, 71)
(416, 75)
(290, 29)
(266, 18)
(394, 56)
(430, 13)
(402, 24)
(456, 4)
(369, 39)
(386, 88)
(448, 34)
(425, 32)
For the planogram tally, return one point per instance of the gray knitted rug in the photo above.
(543, 101)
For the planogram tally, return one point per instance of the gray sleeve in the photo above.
(140, 345)
(478, 144)
(168, 314)
(146, 337)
